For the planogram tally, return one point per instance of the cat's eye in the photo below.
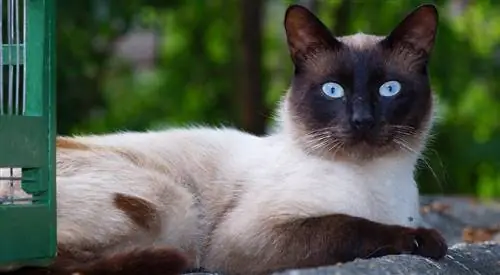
(332, 90)
(390, 88)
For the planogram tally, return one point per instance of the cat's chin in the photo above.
(369, 149)
(362, 150)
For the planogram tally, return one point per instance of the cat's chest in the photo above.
(384, 196)
(381, 192)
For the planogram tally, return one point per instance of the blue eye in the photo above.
(332, 90)
(390, 88)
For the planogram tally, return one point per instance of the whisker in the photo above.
(340, 146)
(326, 139)
(405, 146)
(424, 158)
(402, 144)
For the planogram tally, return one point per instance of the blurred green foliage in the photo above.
(197, 73)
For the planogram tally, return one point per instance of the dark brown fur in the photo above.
(328, 240)
(341, 238)
(150, 261)
(140, 211)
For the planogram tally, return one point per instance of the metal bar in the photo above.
(1, 59)
(24, 56)
(11, 178)
(18, 178)
(35, 55)
(10, 39)
(11, 183)
(21, 199)
(18, 92)
(50, 83)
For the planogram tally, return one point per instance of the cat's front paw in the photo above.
(424, 242)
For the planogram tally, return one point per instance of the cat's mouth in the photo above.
(374, 144)
(368, 140)
(367, 143)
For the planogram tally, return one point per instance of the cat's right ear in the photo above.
(416, 32)
(306, 34)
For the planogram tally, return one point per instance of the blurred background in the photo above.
(142, 64)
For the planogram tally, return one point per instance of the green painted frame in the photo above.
(28, 231)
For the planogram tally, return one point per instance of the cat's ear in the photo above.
(306, 34)
(416, 32)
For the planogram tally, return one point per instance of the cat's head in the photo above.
(360, 95)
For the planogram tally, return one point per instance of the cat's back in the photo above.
(178, 148)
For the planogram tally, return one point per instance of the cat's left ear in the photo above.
(306, 34)
(416, 32)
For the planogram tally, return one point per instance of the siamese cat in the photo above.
(332, 183)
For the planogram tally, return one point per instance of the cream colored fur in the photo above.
(197, 177)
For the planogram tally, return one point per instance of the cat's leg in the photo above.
(112, 213)
(89, 221)
(309, 242)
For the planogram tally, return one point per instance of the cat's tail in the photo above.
(153, 261)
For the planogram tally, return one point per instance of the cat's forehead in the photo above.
(365, 51)
(361, 54)
(361, 41)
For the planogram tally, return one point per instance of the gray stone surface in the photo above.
(462, 259)
(450, 215)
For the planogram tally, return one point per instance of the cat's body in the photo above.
(242, 204)
(203, 179)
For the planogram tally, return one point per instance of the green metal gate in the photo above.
(27, 132)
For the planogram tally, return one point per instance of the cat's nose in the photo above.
(362, 121)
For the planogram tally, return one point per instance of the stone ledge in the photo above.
(462, 259)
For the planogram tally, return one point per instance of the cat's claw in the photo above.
(425, 242)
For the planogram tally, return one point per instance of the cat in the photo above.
(333, 181)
